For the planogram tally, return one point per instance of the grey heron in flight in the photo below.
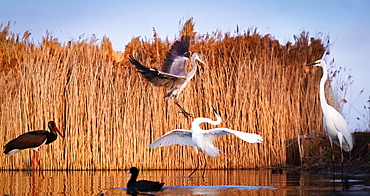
(201, 139)
(334, 123)
(173, 75)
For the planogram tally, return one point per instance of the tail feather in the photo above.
(10, 148)
(11, 152)
(210, 150)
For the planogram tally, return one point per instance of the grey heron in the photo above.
(334, 123)
(201, 139)
(173, 75)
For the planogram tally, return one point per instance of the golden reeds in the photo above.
(109, 113)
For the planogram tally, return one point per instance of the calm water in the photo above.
(215, 182)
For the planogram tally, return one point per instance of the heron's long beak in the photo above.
(201, 59)
(310, 64)
(56, 129)
(203, 62)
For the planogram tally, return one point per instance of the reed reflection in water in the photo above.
(215, 182)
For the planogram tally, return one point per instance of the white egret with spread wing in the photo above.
(202, 139)
(173, 75)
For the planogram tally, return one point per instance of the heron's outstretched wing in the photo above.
(175, 61)
(248, 137)
(157, 78)
(177, 136)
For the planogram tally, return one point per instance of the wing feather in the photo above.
(341, 126)
(31, 139)
(157, 78)
(175, 62)
(177, 136)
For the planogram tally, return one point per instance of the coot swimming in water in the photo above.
(142, 185)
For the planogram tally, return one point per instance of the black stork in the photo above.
(33, 140)
(134, 186)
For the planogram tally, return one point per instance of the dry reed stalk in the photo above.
(109, 113)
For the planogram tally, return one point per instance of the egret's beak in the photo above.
(56, 129)
(215, 111)
(310, 64)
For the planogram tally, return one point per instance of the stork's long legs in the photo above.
(183, 111)
(38, 163)
(33, 161)
(35, 158)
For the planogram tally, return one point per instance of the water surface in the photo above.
(177, 182)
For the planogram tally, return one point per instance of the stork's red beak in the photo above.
(56, 129)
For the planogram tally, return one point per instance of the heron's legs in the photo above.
(341, 162)
(193, 171)
(333, 160)
(205, 165)
(196, 167)
(183, 111)
(340, 138)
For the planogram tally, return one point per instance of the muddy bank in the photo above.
(316, 155)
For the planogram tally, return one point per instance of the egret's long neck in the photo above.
(324, 77)
(198, 121)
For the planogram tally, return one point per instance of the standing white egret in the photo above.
(173, 75)
(334, 123)
(202, 139)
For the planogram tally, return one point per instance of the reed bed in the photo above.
(109, 113)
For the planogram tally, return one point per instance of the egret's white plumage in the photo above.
(334, 123)
(202, 139)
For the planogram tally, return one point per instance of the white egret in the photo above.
(334, 123)
(202, 139)
(173, 75)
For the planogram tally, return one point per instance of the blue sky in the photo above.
(346, 22)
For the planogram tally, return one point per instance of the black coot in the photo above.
(142, 185)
